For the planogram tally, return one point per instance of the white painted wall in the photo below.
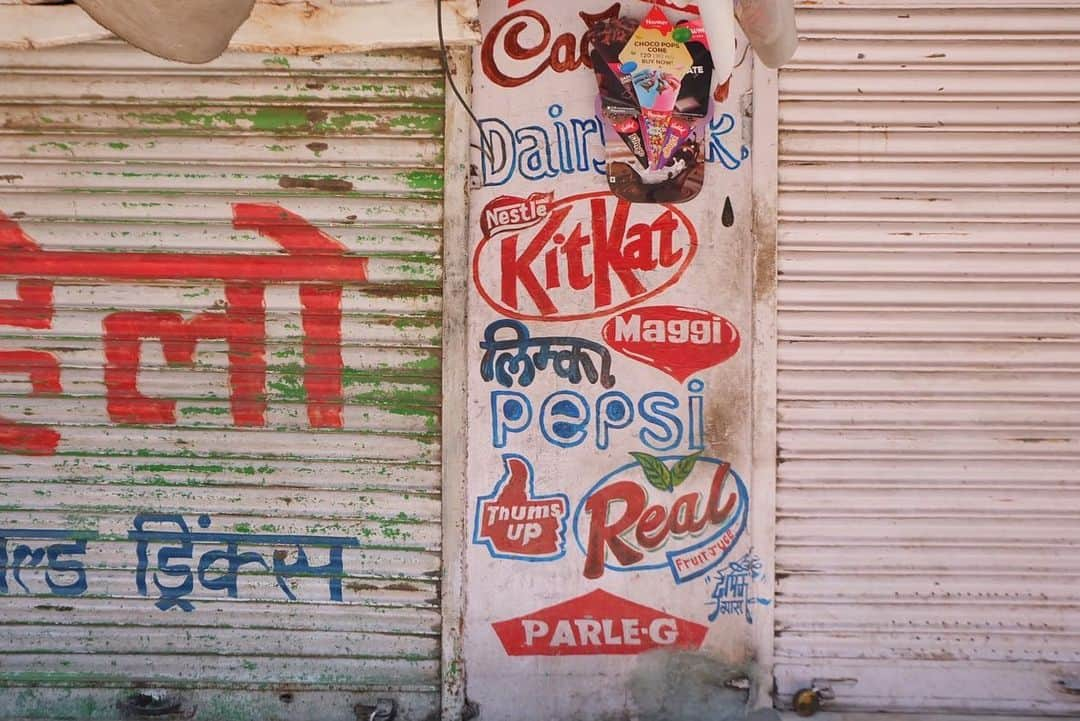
(539, 117)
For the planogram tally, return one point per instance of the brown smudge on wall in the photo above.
(330, 185)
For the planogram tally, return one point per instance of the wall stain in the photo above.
(332, 185)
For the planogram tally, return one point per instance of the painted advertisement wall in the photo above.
(610, 571)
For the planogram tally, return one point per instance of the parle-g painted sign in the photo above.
(598, 623)
(578, 257)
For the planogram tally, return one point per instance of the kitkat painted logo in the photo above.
(598, 623)
(578, 257)
(678, 341)
(514, 522)
(683, 513)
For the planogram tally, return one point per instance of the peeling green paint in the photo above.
(167, 467)
(288, 381)
(427, 270)
(267, 119)
(51, 144)
(432, 123)
(403, 321)
(424, 180)
(209, 411)
(276, 60)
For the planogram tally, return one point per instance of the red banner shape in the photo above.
(678, 341)
(598, 623)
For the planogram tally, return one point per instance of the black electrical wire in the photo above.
(485, 146)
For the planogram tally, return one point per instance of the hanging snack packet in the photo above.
(607, 39)
(679, 129)
(657, 63)
(627, 123)
(694, 94)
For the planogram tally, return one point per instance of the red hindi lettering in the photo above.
(314, 259)
(320, 307)
(242, 326)
(32, 308)
(34, 305)
(44, 372)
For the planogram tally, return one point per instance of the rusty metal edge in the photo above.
(765, 125)
(455, 384)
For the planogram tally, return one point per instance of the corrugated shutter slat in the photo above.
(110, 153)
(928, 504)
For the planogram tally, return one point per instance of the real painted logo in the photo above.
(678, 341)
(585, 256)
(513, 522)
(649, 515)
(598, 623)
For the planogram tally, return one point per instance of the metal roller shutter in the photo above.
(220, 364)
(928, 500)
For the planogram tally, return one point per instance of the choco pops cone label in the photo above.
(653, 79)
(656, 63)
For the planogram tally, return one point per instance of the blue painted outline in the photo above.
(581, 424)
(663, 415)
(744, 505)
(603, 426)
(496, 426)
(718, 137)
(531, 492)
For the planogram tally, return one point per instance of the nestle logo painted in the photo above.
(579, 257)
(678, 341)
(688, 522)
(509, 212)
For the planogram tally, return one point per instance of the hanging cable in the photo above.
(485, 145)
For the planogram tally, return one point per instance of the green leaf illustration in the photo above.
(681, 470)
(656, 472)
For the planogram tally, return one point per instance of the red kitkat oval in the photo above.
(678, 341)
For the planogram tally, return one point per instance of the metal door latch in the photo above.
(385, 709)
(147, 704)
(808, 701)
